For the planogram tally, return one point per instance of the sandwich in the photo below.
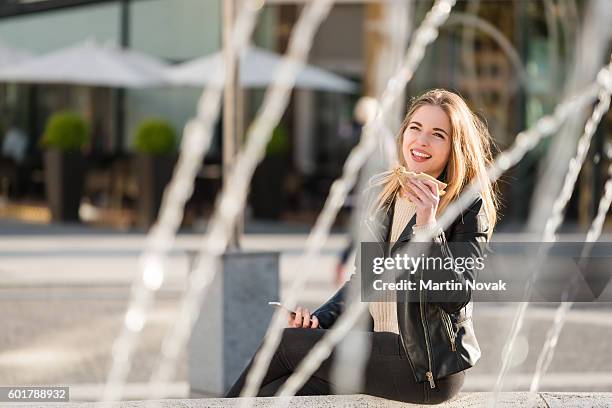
(422, 176)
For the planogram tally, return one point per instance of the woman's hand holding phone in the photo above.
(302, 318)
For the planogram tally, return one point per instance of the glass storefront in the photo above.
(511, 61)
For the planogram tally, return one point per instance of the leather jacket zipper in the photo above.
(445, 317)
(428, 374)
(449, 329)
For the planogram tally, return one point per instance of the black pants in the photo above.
(388, 373)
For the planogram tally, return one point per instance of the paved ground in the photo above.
(463, 400)
(63, 295)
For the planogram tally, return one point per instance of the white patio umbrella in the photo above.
(257, 70)
(89, 63)
(10, 55)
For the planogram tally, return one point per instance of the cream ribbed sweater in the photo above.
(384, 313)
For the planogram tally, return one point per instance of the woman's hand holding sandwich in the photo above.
(425, 196)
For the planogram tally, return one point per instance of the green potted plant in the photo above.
(65, 135)
(268, 187)
(155, 143)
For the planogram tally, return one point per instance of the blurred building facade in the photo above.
(509, 59)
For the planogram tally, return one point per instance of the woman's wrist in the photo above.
(423, 220)
(425, 227)
(418, 231)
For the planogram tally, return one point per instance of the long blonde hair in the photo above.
(470, 154)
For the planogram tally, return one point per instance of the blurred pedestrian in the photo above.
(15, 143)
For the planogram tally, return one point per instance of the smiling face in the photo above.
(426, 143)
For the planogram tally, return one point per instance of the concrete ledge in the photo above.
(463, 400)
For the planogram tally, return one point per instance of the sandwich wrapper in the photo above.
(420, 176)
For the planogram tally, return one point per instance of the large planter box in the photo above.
(152, 173)
(64, 178)
(233, 320)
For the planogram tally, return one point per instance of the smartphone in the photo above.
(280, 306)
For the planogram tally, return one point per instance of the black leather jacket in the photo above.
(438, 337)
